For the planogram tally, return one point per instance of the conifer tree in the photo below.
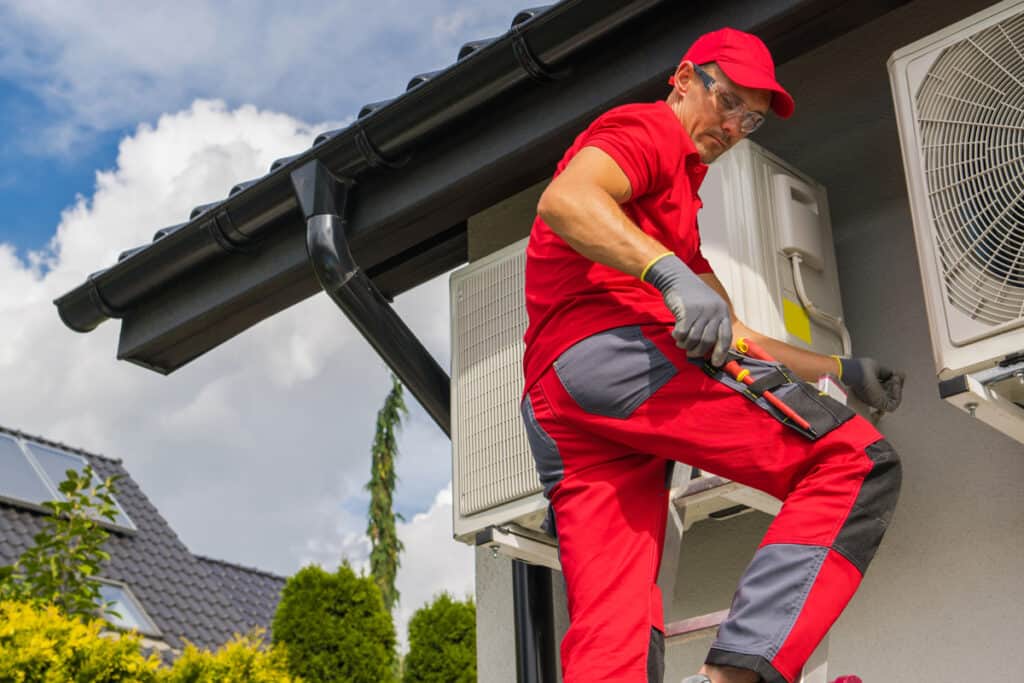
(385, 546)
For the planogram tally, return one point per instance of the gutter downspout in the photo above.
(324, 200)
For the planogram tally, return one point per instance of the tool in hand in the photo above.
(749, 348)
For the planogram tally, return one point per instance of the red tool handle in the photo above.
(741, 375)
(749, 348)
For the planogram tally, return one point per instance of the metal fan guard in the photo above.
(970, 111)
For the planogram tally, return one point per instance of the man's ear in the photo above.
(682, 78)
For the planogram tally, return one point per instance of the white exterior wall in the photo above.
(943, 598)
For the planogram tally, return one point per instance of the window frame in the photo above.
(52, 487)
(136, 604)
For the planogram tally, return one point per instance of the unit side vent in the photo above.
(492, 458)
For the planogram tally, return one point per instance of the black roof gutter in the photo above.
(384, 136)
(458, 141)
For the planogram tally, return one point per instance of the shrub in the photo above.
(242, 660)
(61, 567)
(442, 643)
(335, 627)
(42, 645)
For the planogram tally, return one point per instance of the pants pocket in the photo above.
(612, 373)
(823, 413)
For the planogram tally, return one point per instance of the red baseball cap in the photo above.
(745, 60)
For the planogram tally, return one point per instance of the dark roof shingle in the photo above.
(193, 598)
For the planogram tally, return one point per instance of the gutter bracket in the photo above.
(99, 302)
(324, 200)
(372, 155)
(220, 227)
(535, 69)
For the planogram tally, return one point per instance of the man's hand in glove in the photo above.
(702, 316)
(871, 382)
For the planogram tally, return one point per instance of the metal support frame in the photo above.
(535, 623)
(324, 200)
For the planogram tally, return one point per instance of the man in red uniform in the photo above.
(628, 331)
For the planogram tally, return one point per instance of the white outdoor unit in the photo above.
(959, 97)
(496, 488)
(761, 215)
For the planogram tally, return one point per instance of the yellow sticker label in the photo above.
(797, 322)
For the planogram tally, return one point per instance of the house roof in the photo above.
(189, 597)
(457, 141)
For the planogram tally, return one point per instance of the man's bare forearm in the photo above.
(807, 364)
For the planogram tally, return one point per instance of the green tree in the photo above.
(60, 569)
(442, 643)
(385, 546)
(335, 627)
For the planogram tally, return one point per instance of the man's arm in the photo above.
(581, 205)
(807, 364)
(870, 381)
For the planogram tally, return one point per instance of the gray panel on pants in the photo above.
(871, 513)
(771, 595)
(544, 449)
(612, 373)
(656, 657)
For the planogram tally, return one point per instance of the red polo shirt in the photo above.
(569, 297)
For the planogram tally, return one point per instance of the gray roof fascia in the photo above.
(408, 222)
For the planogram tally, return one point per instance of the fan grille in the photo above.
(970, 111)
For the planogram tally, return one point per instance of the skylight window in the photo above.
(20, 480)
(31, 473)
(129, 611)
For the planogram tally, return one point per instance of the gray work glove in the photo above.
(872, 382)
(702, 316)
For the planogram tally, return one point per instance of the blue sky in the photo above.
(116, 118)
(75, 79)
(35, 186)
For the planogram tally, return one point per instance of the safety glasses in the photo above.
(729, 105)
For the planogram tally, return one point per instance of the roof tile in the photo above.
(199, 599)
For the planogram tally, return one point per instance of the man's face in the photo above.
(706, 116)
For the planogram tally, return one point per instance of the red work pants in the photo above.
(604, 422)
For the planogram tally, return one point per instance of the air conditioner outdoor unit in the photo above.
(959, 97)
(496, 489)
(765, 229)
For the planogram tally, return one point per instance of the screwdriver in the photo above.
(749, 348)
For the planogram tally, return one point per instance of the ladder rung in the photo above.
(681, 630)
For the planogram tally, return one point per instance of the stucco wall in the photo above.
(942, 600)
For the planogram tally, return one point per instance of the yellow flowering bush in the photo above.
(41, 645)
(242, 660)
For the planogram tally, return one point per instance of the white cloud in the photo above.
(432, 562)
(258, 451)
(104, 65)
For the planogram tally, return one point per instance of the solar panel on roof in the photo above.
(19, 480)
